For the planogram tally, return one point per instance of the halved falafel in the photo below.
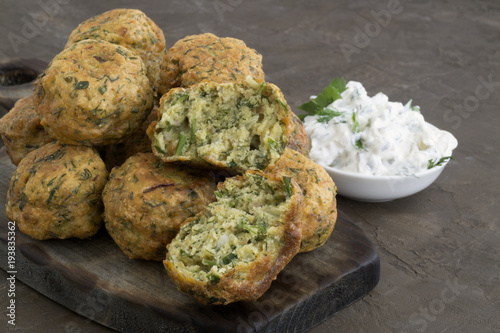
(235, 248)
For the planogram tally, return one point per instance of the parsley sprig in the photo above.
(318, 106)
(355, 129)
(413, 108)
(434, 163)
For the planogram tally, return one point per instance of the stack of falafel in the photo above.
(188, 156)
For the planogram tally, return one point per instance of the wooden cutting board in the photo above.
(95, 279)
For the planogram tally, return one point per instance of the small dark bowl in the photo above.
(16, 80)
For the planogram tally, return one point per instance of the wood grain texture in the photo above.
(95, 279)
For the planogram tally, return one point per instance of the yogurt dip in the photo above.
(373, 136)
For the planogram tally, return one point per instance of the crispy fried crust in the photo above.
(319, 212)
(299, 140)
(129, 28)
(146, 201)
(93, 93)
(233, 126)
(206, 57)
(55, 192)
(21, 130)
(248, 236)
(116, 154)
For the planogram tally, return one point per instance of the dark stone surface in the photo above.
(439, 248)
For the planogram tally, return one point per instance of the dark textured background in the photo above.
(439, 248)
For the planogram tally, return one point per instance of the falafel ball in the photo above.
(146, 202)
(232, 126)
(93, 93)
(55, 192)
(130, 28)
(206, 57)
(21, 131)
(116, 154)
(319, 212)
(235, 248)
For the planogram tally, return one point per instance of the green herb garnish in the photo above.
(283, 104)
(318, 106)
(272, 144)
(55, 189)
(192, 137)
(261, 87)
(168, 126)
(227, 259)
(288, 187)
(122, 52)
(184, 253)
(434, 163)
(102, 89)
(208, 262)
(213, 278)
(245, 102)
(221, 193)
(193, 194)
(82, 85)
(355, 124)
(413, 108)
(254, 229)
(57, 111)
(180, 98)
(326, 115)
(359, 144)
(51, 182)
(180, 144)
(22, 202)
(261, 228)
(111, 79)
(355, 129)
(86, 174)
(161, 151)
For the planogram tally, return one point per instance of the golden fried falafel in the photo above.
(299, 141)
(117, 153)
(130, 28)
(206, 57)
(55, 192)
(233, 126)
(146, 201)
(235, 248)
(21, 131)
(319, 212)
(93, 93)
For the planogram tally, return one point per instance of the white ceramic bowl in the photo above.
(381, 188)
